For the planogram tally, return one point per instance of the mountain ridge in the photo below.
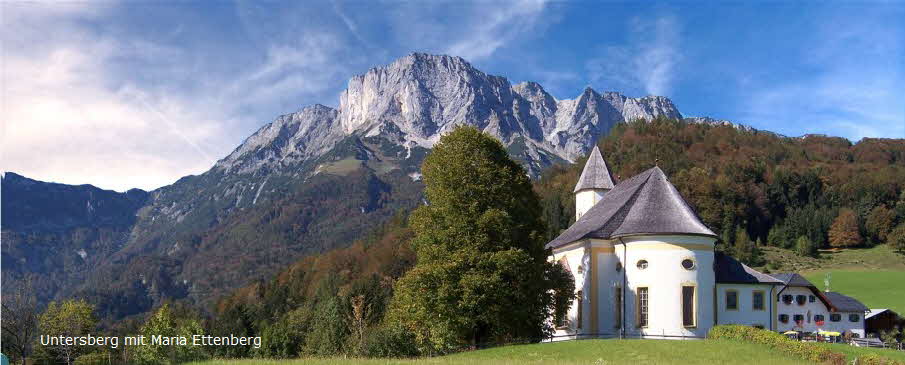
(315, 179)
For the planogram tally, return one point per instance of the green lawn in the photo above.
(874, 288)
(851, 352)
(583, 352)
(875, 276)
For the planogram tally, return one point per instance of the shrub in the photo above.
(874, 359)
(804, 350)
(96, 358)
(388, 341)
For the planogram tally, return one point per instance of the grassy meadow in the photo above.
(579, 352)
(875, 276)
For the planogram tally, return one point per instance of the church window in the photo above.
(642, 264)
(688, 310)
(835, 317)
(731, 300)
(688, 264)
(784, 318)
(643, 307)
(618, 304)
(853, 318)
(618, 266)
(757, 300)
(800, 299)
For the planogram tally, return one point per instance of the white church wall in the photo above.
(578, 258)
(664, 278)
(745, 313)
(586, 199)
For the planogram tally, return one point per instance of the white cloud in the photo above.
(119, 111)
(647, 63)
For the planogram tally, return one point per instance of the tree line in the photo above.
(756, 188)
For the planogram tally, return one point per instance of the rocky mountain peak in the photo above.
(419, 97)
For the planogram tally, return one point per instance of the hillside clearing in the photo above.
(580, 352)
(874, 288)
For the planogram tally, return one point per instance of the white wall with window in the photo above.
(670, 283)
(796, 308)
(844, 321)
(746, 304)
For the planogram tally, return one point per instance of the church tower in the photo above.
(595, 181)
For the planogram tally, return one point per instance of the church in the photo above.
(644, 266)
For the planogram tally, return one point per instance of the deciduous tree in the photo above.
(844, 231)
(482, 274)
(879, 222)
(70, 318)
(20, 322)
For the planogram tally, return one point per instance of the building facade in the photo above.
(645, 266)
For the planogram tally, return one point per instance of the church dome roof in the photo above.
(645, 204)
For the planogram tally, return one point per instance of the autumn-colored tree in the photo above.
(844, 231)
(879, 222)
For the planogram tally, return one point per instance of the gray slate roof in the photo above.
(844, 303)
(793, 279)
(595, 174)
(647, 203)
(729, 270)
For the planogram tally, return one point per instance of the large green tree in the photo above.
(482, 274)
(166, 324)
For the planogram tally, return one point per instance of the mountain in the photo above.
(53, 234)
(311, 181)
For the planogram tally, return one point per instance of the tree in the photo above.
(70, 318)
(879, 223)
(844, 231)
(165, 324)
(744, 250)
(896, 238)
(482, 274)
(20, 322)
(805, 247)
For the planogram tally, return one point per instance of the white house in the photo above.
(644, 266)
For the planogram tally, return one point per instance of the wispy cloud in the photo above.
(648, 62)
(495, 26)
(855, 87)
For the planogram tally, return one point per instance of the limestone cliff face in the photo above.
(419, 97)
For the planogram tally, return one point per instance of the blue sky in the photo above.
(139, 93)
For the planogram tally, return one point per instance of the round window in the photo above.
(688, 264)
(642, 264)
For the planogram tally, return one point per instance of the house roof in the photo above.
(844, 303)
(595, 174)
(793, 279)
(876, 311)
(647, 203)
(729, 270)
